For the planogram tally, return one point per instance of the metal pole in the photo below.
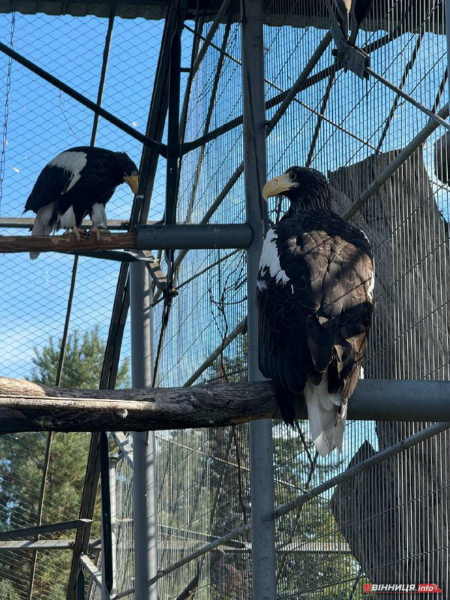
(202, 236)
(447, 31)
(80, 585)
(107, 568)
(144, 475)
(113, 521)
(261, 444)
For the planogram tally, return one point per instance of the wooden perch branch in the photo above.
(27, 406)
(67, 243)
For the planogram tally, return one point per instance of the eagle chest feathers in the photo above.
(314, 297)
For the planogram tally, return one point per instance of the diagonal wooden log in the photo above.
(28, 406)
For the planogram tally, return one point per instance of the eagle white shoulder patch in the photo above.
(73, 163)
(365, 235)
(372, 284)
(270, 260)
(372, 280)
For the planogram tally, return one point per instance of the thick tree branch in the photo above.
(27, 406)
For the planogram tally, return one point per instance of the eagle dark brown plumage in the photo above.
(76, 183)
(315, 298)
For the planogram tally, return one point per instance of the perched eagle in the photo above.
(76, 183)
(315, 298)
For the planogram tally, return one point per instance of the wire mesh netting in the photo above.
(388, 524)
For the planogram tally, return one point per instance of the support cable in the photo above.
(101, 88)
(202, 272)
(199, 22)
(209, 113)
(396, 102)
(320, 120)
(217, 352)
(207, 41)
(6, 106)
(275, 100)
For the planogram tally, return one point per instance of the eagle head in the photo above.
(305, 188)
(129, 171)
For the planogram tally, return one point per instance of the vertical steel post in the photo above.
(80, 585)
(447, 31)
(107, 568)
(144, 475)
(261, 444)
(113, 508)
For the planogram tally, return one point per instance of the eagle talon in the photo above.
(78, 233)
(99, 232)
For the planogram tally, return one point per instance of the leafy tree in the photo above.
(21, 468)
(82, 364)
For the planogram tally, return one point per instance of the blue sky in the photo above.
(41, 122)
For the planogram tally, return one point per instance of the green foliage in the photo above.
(21, 470)
(82, 364)
(7, 591)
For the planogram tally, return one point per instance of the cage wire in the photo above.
(388, 524)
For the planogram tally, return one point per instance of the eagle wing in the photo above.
(315, 303)
(56, 179)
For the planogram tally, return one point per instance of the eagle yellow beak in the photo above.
(277, 186)
(133, 182)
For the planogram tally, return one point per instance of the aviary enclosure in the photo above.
(236, 93)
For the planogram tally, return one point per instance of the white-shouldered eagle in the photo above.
(315, 299)
(76, 183)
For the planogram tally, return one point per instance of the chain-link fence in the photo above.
(388, 524)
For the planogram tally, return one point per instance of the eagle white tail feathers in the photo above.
(326, 422)
(41, 226)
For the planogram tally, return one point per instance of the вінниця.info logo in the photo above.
(405, 588)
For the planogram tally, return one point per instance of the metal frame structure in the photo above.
(261, 449)
(134, 288)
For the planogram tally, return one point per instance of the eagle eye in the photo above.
(292, 176)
